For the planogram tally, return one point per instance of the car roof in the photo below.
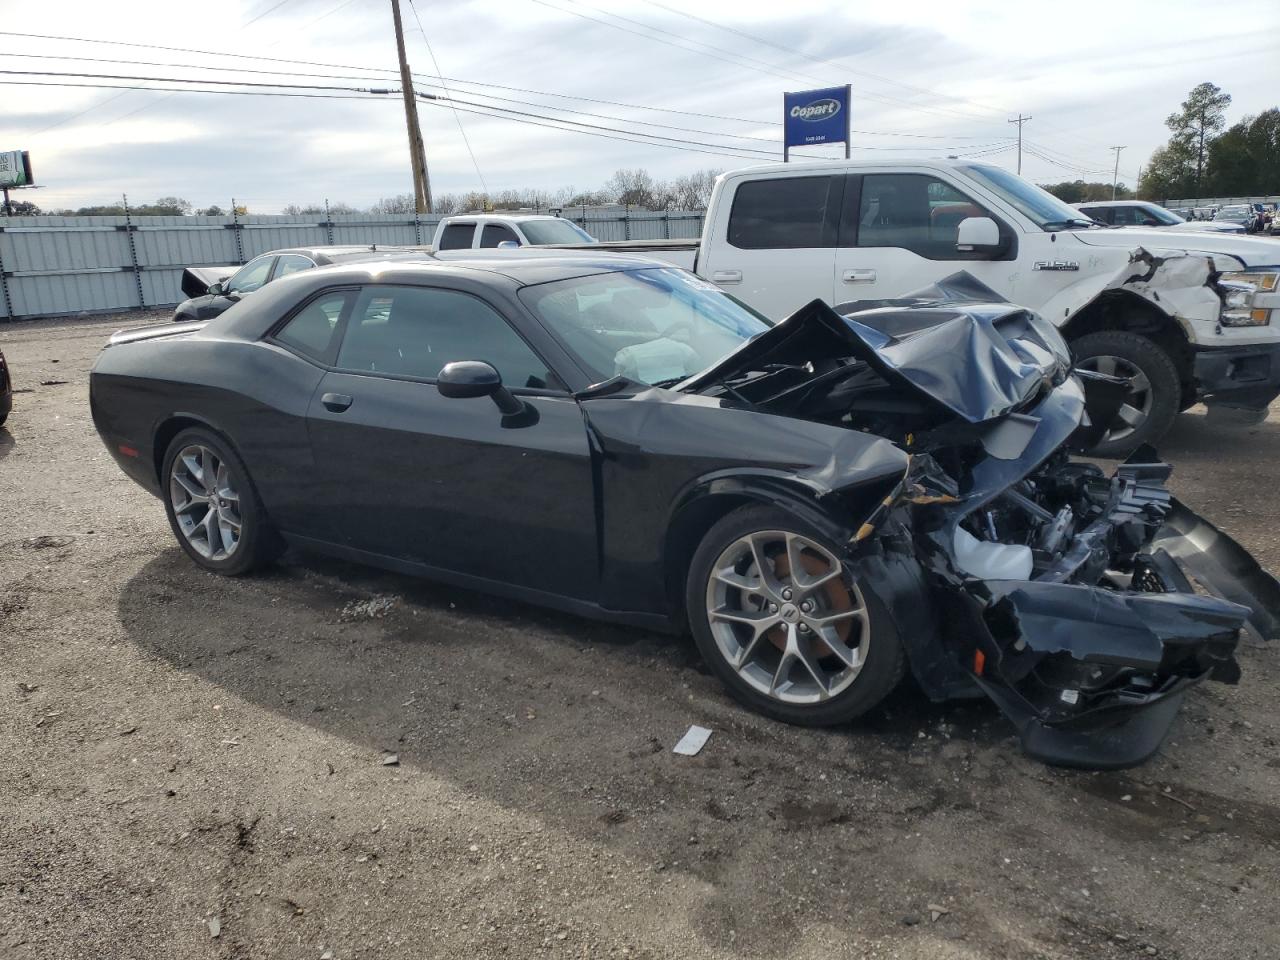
(1115, 203)
(334, 252)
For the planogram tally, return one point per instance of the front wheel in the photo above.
(213, 507)
(1155, 390)
(786, 624)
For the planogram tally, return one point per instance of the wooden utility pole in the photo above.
(1020, 121)
(417, 152)
(1115, 177)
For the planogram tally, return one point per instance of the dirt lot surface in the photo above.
(199, 767)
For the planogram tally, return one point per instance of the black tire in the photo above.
(258, 543)
(884, 662)
(1158, 367)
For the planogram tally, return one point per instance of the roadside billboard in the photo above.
(15, 169)
(815, 116)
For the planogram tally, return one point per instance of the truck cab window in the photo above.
(496, 233)
(782, 214)
(457, 236)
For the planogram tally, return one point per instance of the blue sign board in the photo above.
(816, 116)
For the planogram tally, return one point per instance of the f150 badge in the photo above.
(1056, 265)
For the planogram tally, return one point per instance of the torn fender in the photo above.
(1175, 281)
(1221, 566)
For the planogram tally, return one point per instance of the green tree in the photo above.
(1203, 115)
(1246, 159)
(1078, 191)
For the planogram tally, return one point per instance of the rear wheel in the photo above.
(786, 624)
(213, 507)
(1155, 390)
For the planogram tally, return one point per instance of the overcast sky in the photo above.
(929, 79)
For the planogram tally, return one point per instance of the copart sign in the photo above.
(816, 116)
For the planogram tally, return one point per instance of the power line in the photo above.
(443, 85)
(230, 83)
(816, 59)
(271, 9)
(758, 64)
(703, 115)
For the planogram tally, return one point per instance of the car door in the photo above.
(898, 234)
(779, 242)
(452, 483)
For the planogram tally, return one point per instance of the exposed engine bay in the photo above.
(1082, 603)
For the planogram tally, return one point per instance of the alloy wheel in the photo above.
(205, 503)
(1135, 410)
(783, 617)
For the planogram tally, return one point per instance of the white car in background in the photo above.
(1140, 213)
(491, 230)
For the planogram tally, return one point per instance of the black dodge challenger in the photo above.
(826, 503)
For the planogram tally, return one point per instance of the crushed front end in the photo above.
(1064, 608)
(1010, 569)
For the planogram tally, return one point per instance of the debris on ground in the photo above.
(693, 741)
(215, 927)
(374, 608)
(391, 760)
(46, 542)
(937, 912)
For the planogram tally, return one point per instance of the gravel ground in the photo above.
(200, 767)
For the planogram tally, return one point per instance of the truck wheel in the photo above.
(1155, 390)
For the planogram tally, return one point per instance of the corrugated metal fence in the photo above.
(57, 266)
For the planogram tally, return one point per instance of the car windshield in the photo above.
(554, 231)
(1234, 212)
(1161, 215)
(654, 326)
(1040, 206)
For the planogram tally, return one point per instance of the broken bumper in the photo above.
(1246, 376)
(1091, 656)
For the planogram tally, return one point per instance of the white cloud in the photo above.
(1093, 75)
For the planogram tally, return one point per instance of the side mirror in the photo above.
(979, 235)
(466, 379)
(216, 289)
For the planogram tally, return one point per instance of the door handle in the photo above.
(335, 402)
(859, 276)
(726, 276)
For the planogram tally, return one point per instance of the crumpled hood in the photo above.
(1227, 249)
(955, 341)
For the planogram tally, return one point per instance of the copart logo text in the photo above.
(823, 109)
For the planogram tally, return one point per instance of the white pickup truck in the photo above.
(1182, 316)
(483, 230)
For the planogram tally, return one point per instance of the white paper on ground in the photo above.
(693, 741)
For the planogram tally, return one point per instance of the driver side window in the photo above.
(415, 331)
(914, 211)
(251, 276)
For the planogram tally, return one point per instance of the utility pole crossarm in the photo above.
(1020, 121)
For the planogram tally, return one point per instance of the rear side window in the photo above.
(292, 263)
(457, 236)
(783, 214)
(496, 233)
(312, 329)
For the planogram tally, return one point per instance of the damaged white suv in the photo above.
(1181, 316)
